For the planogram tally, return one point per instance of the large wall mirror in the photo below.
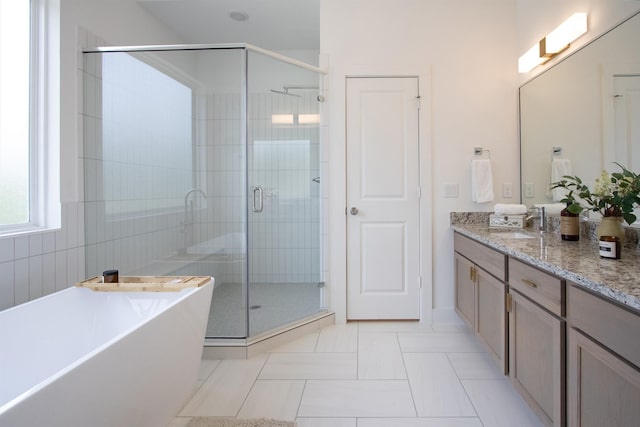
(586, 110)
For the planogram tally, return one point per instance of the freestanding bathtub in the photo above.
(84, 358)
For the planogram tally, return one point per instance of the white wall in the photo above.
(40, 263)
(464, 53)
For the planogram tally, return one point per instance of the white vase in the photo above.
(611, 226)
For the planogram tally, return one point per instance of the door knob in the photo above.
(354, 211)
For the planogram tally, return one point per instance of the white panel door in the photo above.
(383, 236)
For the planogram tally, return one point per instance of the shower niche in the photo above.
(205, 160)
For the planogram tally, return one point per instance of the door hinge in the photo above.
(419, 101)
(420, 281)
(509, 303)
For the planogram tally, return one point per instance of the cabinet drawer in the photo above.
(614, 326)
(486, 258)
(543, 288)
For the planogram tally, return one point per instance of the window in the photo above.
(29, 122)
(14, 112)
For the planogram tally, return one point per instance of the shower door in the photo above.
(283, 194)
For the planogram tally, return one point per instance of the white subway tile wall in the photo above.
(38, 264)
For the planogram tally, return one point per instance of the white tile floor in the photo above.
(365, 374)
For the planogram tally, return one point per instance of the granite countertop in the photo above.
(576, 261)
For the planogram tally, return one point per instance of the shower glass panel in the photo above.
(189, 170)
(284, 200)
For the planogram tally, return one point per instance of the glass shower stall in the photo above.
(205, 160)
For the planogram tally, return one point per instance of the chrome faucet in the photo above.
(541, 215)
(187, 224)
(190, 211)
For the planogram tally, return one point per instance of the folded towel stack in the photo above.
(509, 209)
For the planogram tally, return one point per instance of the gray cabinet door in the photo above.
(490, 315)
(465, 290)
(536, 366)
(604, 390)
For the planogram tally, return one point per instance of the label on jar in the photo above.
(608, 249)
(570, 225)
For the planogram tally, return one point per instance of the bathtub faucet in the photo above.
(188, 212)
(187, 224)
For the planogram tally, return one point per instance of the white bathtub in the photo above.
(84, 358)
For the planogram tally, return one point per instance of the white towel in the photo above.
(481, 181)
(509, 209)
(559, 168)
(552, 208)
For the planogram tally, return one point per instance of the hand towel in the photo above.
(552, 208)
(559, 168)
(481, 181)
(509, 209)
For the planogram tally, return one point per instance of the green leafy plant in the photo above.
(614, 194)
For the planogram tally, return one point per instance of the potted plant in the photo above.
(615, 195)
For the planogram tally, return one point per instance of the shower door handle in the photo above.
(258, 202)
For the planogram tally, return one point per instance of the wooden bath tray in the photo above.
(145, 283)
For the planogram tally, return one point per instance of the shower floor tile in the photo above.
(270, 305)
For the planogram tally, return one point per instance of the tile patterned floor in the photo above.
(365, 374)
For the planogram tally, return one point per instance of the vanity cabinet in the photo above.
(535, 304)
(480, 294)
(603, 362)
(572, 353)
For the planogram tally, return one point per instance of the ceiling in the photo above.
(271, 24)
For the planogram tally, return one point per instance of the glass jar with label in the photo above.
(609, 247)
(569, 225)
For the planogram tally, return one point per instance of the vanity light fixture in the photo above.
(555, 42)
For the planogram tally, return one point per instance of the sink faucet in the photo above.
(541, 215)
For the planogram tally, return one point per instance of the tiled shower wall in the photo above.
(284, 238)
(126, 241)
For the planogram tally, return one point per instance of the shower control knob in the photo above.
(354, 211)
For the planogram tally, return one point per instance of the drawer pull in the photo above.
(529, 283)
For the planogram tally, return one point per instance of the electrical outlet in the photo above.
(451, 190)
(507, 190)
(529, 190)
